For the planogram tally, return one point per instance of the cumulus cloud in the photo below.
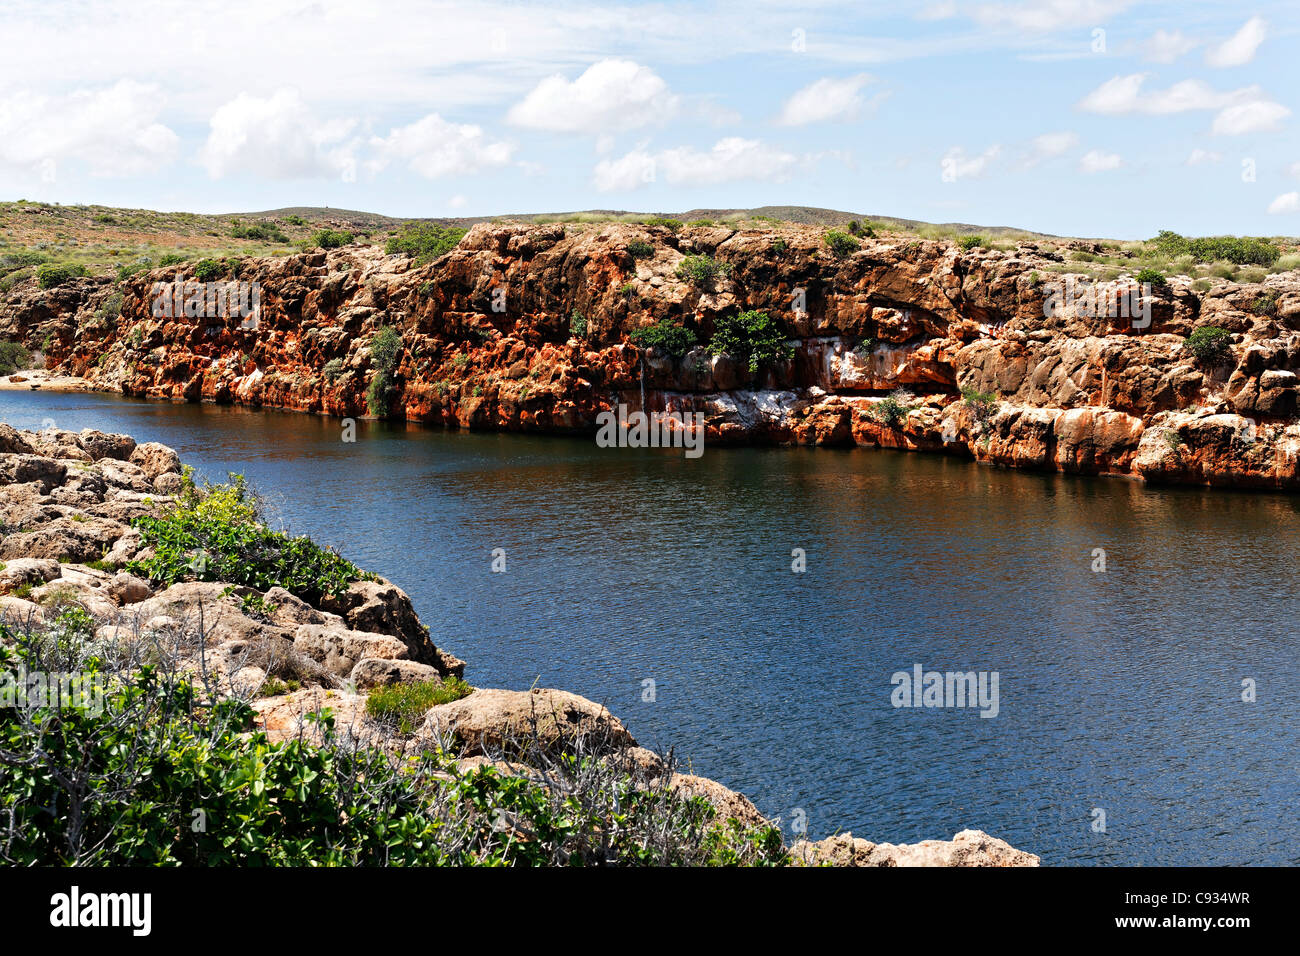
(827, 99)
(1051, 145)
(1097, 161)
(609, 95)
(433, 147)
(113, 130)
(277, 136)
(1168, 45)
(731, 159)
(1245, 110)
(1047, 15)
(1239, 49)
(1201, 157)
(956, 164)
(1287, 202)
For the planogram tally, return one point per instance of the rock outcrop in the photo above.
(967, 848)
(526, 327)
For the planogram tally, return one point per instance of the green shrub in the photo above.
(329, 239)
(753, 338)
(670, 224)
(332, 370)
(205, 270)
(404, 705)
(386, 348)
(1265, 304)
(51, 276)
(13, 357)
(578, 325)
(216, 533)
(379, 393)
(968, 243)
(893, 409)
(425, 241)
(1209, 345)
(841, 244)
(1235, 249)
(640, 249)
(259, 231)
(1155, 277)
(702, 270)
(295, 220)
(667, 337)
(701, 222)
(171, 259)
(779, 245)
(984, 405)
(13, 261)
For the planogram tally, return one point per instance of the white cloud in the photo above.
(826, 99)
(731, 159)
(1051, 145)
(1201, 157)
(1257, 117)
(457, 202)
(434, 147)
(1167, 46)
(278, 137)
(1096, 161)
(609, 95)
(943, 10)
(1239, 49)
(1287, 202)
(1044, 16)
(113, 130)
(957, 165)
(1293, 170)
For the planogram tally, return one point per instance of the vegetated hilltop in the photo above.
(1014, 352)
(231, 694)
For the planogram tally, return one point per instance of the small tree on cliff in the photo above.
(385, 355)
(754, 338)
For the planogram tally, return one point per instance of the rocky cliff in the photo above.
(526, 327)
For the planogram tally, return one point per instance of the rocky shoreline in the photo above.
(69, 504)
(526, 327)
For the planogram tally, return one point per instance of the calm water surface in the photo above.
(1119, 691)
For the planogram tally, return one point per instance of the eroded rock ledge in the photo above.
(487, 341)
(66, 505)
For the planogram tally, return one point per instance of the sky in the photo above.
(1112, 118)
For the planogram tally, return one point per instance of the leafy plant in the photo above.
(425, 242)
(13, 357)
(52, 276)
(578, 325)
(967, 243)
(1209, 345)
(893, 409)
(665, 336)
(259, 231)
(702, 270)
(332, 370)
(205, 270)
(670, 224)
(640, 249)
(841, 244)
(1234, 249)
(1154, 277)
(404, 705)
(329, 239)
(753, 338)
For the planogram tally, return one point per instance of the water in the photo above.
(1119, 691)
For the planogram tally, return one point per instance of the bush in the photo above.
(329, 239)
(1154, 277)
(216, 533)
(577, 325)
(13, 357)
(670, 224)
(841, 244)
(984, 405)
(753, 338)
(171, 259)
(386, 348)
(1265, 305)
(51, 276)
(379, 393)
(403, 705)
(640, 249)
(425, 241)
(665, 336)
(259, 231)
(13, 261)
(1209, 345)
(1235, 249)
(205, 270)
(333, 369)
(702, 270)
(893, 409)
(967, 243)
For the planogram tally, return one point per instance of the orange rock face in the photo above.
(527, 328)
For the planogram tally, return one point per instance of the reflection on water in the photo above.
(1120, 691)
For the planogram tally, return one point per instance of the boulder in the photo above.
(492, 722)
(101, 445)
(340, 650)
(155, 459)
(967, 848)
(381, 672)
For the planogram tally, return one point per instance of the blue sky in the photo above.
(1079, 117)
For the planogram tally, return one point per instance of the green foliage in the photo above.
(701, 222)
(702, 270)
(627, 290)
(403, 705)
(171, 259)
(1239, 250)
(259, 231)
(13, 261)
(861, 229)
(386, 348)
(779, 245)
(865, 347)
(841, 244)
(893, 409)
(983, 405)
(670, 224)
(753, 338)
(425, 241)
(1265, 305)
(216, 533)
(640, 249)
(332, 370)
(1154, 277)
(1210, 345)
(295, 220)
(50, 276)
(329, 239)
(205, 270)
(578, 325)
(379, 393)
(967, 243)
(667, 337)
(13, 357)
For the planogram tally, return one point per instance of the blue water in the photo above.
(1119, 691)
